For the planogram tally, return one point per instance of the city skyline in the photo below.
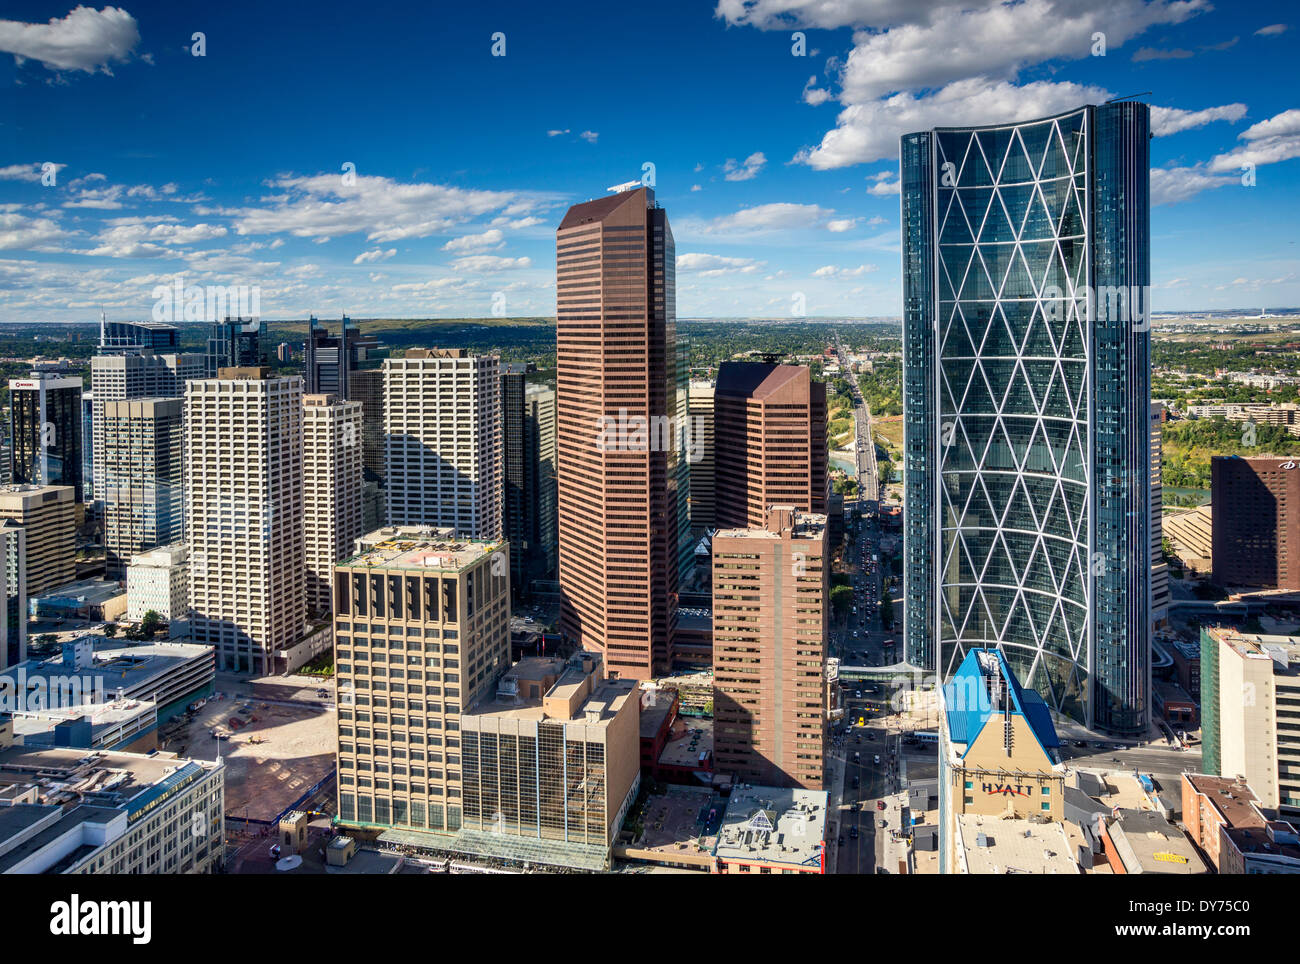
(797, 194)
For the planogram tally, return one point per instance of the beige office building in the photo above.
(48, 513)
(443, 435)
(421, 631)
(331, 492)
(554, 755)
(159, 580)
(138, 471)
(244, 515)
(771, 603)
(1250, 713)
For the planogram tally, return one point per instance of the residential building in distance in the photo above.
(236, 343)
(1223, 817)
(442, 422)
(528, 416)
(47, 514)
(1256, 527)
(773, 451)
(331, 491)
(140, 460)
(244, 515)
(1250, 713)
(109, 812)
(552, 757)
(617, 368)
(773, 830)
(995, 753)
(1027, 437)
(13, 567)
(703, 469)
(132, 375)
(1287, 415)
(45, 429)
(159, 580)
(421, 632)
(284, 353)
(771, 620)
(329, 360)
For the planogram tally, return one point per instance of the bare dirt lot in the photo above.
(273, 752)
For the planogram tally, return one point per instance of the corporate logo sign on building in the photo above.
(1007, 789)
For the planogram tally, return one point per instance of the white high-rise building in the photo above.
(443, 448)
(244, 515)
(332, 462)
(159, 580)
(117, 377)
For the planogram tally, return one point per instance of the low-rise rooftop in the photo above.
(992, 845)
(773, 825)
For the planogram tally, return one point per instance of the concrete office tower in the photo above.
(442, 422)
(1250, 712)
(422, 631)
(331, 491)
(619, 434)
(703, 512)
(771, 616)
(772, 446)
(48, 514)
(367, 387)
(13, 568)
(1159, 568)
(329, 360)
(688, 450)
(236, 343)
(1026, 396)
(46, 431)
(244, 515)
(1256, 521)
(114, 377)
(140, 463)
(528, 416)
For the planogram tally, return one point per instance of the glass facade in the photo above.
(1026, 404)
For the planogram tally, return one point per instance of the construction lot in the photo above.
(274, 752)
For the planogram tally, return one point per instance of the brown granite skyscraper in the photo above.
(619, 458)
(769, 440)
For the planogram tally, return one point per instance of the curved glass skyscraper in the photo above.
(1026, 397)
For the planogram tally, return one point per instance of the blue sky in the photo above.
(778, 171)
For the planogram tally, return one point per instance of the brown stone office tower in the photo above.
(770, 440)
(1256, 521)
(616, 335)
(771, 593)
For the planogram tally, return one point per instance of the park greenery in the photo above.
(1188, 446)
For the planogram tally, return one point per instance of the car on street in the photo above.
(880, 804)
(877, 759)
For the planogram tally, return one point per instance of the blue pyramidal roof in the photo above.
(969, 706)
